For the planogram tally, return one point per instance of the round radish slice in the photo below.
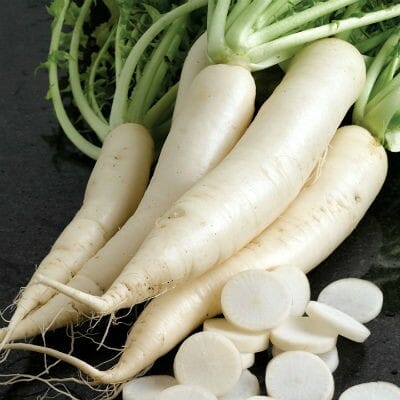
(359, 298)
(372, 391)
(245, 341)
(330, 358)
(186, 392)
(255, 300)
(298, 285)
(209, 360)
(147, 387)
(247, 360)
(337, 320)
(299, 375)
(247, 386)
(303, 333)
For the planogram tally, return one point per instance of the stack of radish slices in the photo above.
(259, 307)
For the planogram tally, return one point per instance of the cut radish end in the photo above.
(247, 386)
(299, 375)
(330, 358)
(372, 391)
(247, 360)
(147, 387)
(209, 360)
(185, 392)
(245, 341)
(303, 333)
(255, 300)
(296, 281)
(359, 298)
(338, 321)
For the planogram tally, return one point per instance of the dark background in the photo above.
(42, 180)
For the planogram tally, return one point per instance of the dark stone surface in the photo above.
(41, 186)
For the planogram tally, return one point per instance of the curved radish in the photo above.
(337, 321)
(209, 360)
(147, 387)
(298, 285)
(247, 386)
(303, 333)
(169, 318)
(299, 375)
(358, 298)
(372, 391)
(114, 189)
(193, 147)
(255, 300)
(245, 341)
(238, 199)
(185, 392)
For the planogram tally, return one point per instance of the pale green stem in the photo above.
(79, 141)
(99, 127)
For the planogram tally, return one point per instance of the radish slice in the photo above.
(245, 341)
(338, 321)
(209, 360)
(147, 387)
(298, 285)
(372, 391)
(330, 358)
(359, 298)
(299, 375)
(303, 333)
(247, 386)
(247, 360)
(186, 392)
(255, 300)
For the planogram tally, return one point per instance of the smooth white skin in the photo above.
(186, 392)
(114, 190)
(195, 62)
(199, 138)
(372, 391)
(255, 300)
(358, 298)
(247, 386)
(260, 398)
(209, 360)
(330, 358)
(244, 340)
(147, 387)
(169, 318)
(303, 333)
(247, 360)
(337, 321)
(299, 375)
(297, 282)
(253, 185)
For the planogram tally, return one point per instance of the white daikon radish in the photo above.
(372, 391)
(359, 298)
(147, 387)
(209, 360)
(298, 285)
(303, 333)
(255, 300)
(299, 375)
(186, 392)
(337, 321)
(247, 386)
(245, 341)
(260, 398)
